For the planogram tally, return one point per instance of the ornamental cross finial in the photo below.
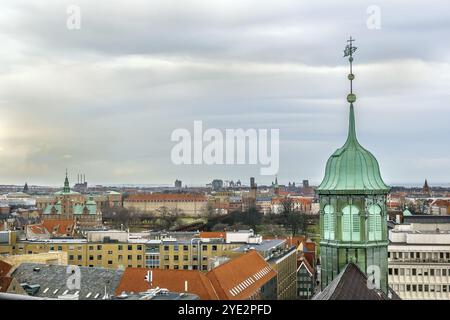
(349, 49)
(348, 52)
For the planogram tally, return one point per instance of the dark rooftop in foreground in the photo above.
(351, 284)
(50, 281)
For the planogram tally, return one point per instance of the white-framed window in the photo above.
(375, 224)
(351, 224)
(328, 222)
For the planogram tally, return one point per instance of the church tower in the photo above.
(352, 196)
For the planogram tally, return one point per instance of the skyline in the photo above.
(103, 100)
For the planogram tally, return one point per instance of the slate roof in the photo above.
(54, 277)
(351, 284)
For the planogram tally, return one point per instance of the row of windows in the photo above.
(165, 201)
(414, 256)
(421, 288)
(100, 257)
(418, 272)
(186, 248)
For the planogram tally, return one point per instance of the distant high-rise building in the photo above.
(178, 183)
(305, 183)
(25, 188)
(252, 182)
(217, 184)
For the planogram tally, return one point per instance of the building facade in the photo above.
(419, 260)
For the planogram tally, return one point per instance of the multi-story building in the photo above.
(189, 204)
(419, 258)
(282, 258)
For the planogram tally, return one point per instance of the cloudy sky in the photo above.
(105, 98)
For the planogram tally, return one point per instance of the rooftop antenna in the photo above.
(149, 277)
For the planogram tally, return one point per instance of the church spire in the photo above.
(66, 184)
(351, 97)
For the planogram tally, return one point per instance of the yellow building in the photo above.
(189, 204)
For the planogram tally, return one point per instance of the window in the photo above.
(91, 258)
(414, 271)
(175, 248)
(110, 262)
(185, 248)
(204, 247)
(185, 258)
(375, 225)
(120, 247)
(99, 247)
(130, 247)
(71, 257)
(91, 248)
(59, 248)
(110, 252)
(444, 272)
(175, 257)
(79, 257)
(166, 248)
(328, 222)
(99, 257)
(214, 248)
(130, 257)
(139, 257)
(350, 223)
(139, 247)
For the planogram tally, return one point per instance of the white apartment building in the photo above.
(419, 259)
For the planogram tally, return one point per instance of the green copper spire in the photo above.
(66, 184)
(352, 168)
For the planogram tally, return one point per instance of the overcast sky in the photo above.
(105, 99)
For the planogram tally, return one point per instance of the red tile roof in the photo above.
(59, 227)
(303, 260)
(213, 234)
(133, 280)
(240, 278)
(4, 283)
(37, 228)
(4, 268)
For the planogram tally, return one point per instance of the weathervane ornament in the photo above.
(348, 52)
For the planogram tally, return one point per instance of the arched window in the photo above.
(351, 228)
(375, 229)
(328, 222)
